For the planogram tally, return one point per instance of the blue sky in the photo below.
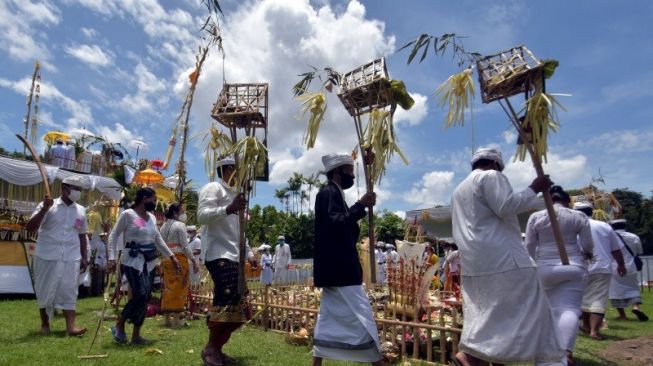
(120, 69)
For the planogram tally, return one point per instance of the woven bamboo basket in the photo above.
(242, 106)
(365, 88)
(508, 73)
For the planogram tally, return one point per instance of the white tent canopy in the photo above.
(438, 220)
(26, 173)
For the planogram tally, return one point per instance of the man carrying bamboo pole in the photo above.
(218, 209)
(507, 315)
(345, 328)
(61, 253)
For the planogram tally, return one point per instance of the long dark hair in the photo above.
(559, 195)
(173, 210)
(141, 194)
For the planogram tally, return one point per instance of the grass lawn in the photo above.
(20, 343)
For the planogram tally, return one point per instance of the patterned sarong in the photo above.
(228, 305)
(174, 296)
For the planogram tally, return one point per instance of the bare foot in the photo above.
(621, 318)
(45, 329)
(211, 357)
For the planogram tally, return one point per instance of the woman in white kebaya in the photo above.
(563, 284)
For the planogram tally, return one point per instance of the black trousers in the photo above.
(139, 282)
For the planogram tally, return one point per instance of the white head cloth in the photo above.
(583, 204)
(76, 180)
(225, 161)
(332, 161)
(281, 237)
(489, 154)
(191, 228)
(618, 221)
(389, 246)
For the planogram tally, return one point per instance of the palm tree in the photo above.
(303, 197)
(312, 180)
(282, 195)
(295, 186)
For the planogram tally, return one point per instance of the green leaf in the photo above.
(418, 45)
(426, 48)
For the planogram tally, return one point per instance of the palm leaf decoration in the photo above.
(249, 151)
(456, 93)
(380, 137)
(315, 104)
(540, 118)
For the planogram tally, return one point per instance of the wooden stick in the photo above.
(370, 210)
(537, 164)
(37, 160)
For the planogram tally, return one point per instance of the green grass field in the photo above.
(20, 343)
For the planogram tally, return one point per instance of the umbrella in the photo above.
(138, 145)
(81, 134)
(165, 195)
(148, 176)
(53, 136)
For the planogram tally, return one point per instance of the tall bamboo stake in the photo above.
(370, 189)
(537, 164)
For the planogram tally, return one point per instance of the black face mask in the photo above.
(346, 180)
(150, 206)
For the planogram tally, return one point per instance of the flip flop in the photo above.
(205, 359)
(640, 315)
(118, 337)
(141, 342)
(228, 360)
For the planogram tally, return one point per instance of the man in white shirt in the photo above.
(624, 289)
(217, 211)
(58, 154)
(503, 301)
(195, 245)
(607, 248)
(280, 261)
(379, 256)
(61, 253)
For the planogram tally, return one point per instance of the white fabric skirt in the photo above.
(266, 276)
(626, 287)
(595, 297)
(56, 285)
(564, 287)
(345, 328)
(508, 319)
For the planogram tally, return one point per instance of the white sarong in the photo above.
(508, 319)
(266, 276)
(625, 288)
(55, 283)
(345, 328)
(595, 296)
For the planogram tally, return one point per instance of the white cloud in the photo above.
(509, 137)
(401, 214)
(117, 134)
(79, 111)
(570, 172)
(19, 37)
(92, 55)
(89, 33)
(282, 39)
(149, 92)
(434, 188)
(416, 114)
(624, 141)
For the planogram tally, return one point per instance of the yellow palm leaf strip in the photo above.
(216, 143)
(315, 104)
(541, 117)
(456, 93)
(380, 137)
(249, 150)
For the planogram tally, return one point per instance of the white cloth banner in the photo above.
(26, 173)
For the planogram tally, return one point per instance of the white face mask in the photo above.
(183, 217)
(74, 195)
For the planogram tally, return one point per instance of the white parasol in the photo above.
(138, 145)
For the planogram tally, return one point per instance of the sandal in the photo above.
(228, 360)
(206, 359)
(118, 337)
(640, 315)
(141, 342)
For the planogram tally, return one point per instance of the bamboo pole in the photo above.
(370, 189)
(537, 164)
